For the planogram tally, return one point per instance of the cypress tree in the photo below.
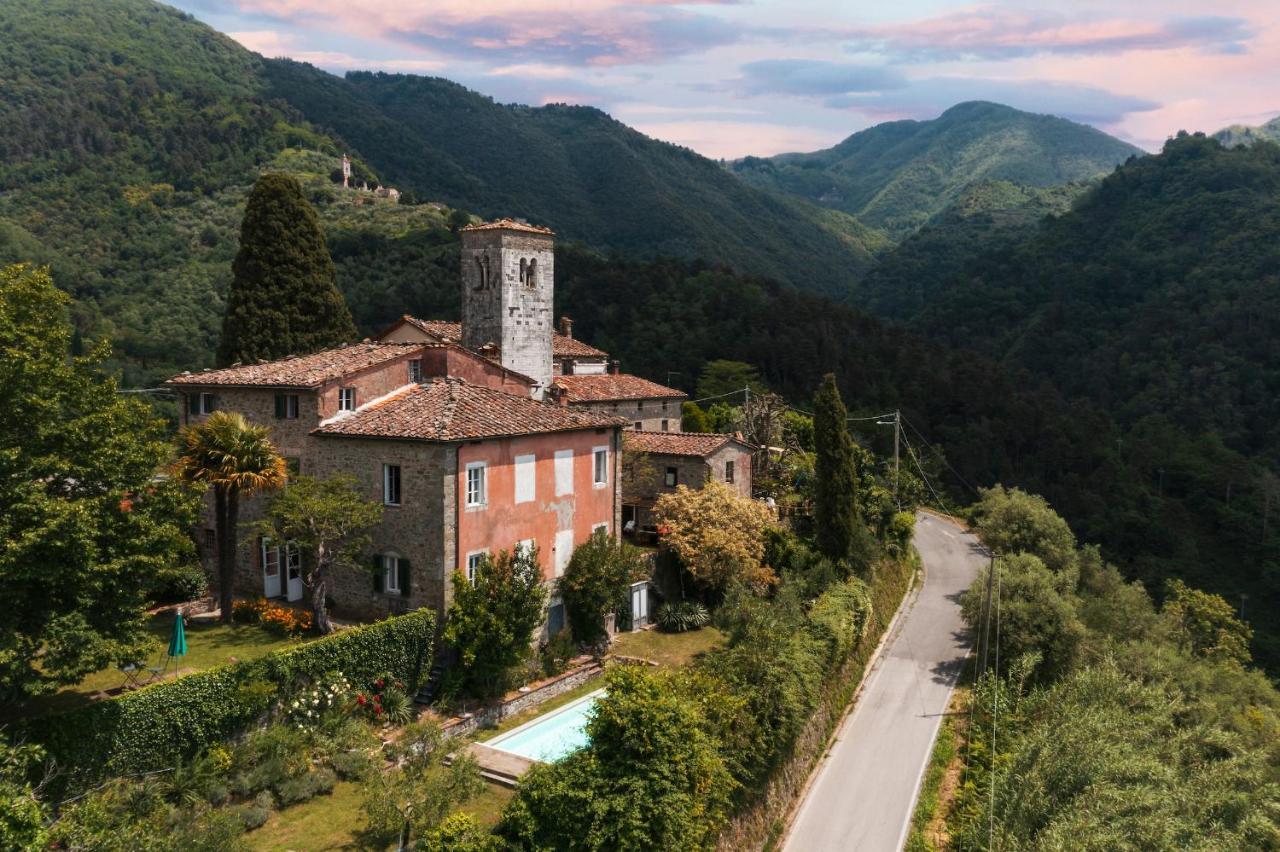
(835, 503)
(284, 298)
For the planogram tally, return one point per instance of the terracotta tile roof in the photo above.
(508, 225)
(451, 332)
(454, 410)
(700, 444)
(608, 387)
(301, 371)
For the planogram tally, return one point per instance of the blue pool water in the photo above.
(553, 736)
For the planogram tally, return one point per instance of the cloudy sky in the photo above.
(739, 77)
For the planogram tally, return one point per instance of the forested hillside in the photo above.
(1241, 134)
(898, 175)
(577, 170)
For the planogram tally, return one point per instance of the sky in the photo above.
(729, 78)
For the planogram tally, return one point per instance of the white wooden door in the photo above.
(293, 572)
(640, 604)
(271, 587)
(564, 550)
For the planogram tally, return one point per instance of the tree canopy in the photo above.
(85, 522)
(284, 298)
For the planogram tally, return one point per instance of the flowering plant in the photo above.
(309, 707)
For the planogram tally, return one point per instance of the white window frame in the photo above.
(415, 370)
(596, 454)
(526, 476)
(672, 473)
(206, 403)
(564, 472)
(386, 485)
(474, 558)
(481, 498)
(346, 399)
(391, 573)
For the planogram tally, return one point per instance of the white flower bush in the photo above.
(332, 692)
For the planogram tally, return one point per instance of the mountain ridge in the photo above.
(897, 175)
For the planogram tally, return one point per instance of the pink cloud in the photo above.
(271, 43)
(575, 32)
(988, 32)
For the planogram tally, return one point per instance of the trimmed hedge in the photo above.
(158, 725)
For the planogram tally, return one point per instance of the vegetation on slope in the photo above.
(577, 170)
(899, 174)
(1241, 134)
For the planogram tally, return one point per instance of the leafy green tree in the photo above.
(693, 418)
(1037, 613)
(22, 814)
(651, 777)
(328, 520)
(284, 299)
(596, 581)
(836, 480)
(430, 777)
(84, 521)
(1206, 625)
(492, 619)
(236, 459)
(724, 377)
(1012, 521)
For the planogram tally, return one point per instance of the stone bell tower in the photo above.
(508, 272)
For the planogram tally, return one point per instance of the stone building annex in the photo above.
(497, 432)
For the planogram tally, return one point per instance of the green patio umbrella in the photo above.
(178, 638)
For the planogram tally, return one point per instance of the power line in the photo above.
(942, 456)
(912, 452)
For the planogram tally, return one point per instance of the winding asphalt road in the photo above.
(864, 791)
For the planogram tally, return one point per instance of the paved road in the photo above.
(864, 791)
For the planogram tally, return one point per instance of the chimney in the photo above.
(566, 327)
(614, 367)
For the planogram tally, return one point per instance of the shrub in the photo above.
(595, 583)
(492, 619)
(397, 706)
(555, 653)
(308, 786)
(839, 619)
(286, 621)
(255, 814)
(180, 583)
(459, 833)
(352, 765)
(682, 616)
(154, 727)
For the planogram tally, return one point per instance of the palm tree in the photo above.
(235, 458)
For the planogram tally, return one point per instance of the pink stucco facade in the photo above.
(545, 512)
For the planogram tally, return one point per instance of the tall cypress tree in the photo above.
(284, 299)
(836, 500)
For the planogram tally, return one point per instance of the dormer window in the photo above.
(346, 399)
(415, 370)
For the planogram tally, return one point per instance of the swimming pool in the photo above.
(553, 736)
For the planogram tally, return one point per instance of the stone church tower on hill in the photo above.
(508, 283)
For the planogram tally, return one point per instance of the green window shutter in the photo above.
(213, 402)
(280, 406)
(193, 403)
(404, 577)
(377, 572)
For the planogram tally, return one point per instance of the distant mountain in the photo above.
(1242, 134)
(898, 175)
(576, 169)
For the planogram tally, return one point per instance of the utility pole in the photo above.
(896, 423)
(984, 638)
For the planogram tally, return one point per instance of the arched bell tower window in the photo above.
(529, 271)
(482, 268)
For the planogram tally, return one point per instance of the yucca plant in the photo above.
(682, 616)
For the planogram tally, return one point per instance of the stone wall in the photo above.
(516, 701)
(649, 413)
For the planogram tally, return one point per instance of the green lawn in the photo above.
(335, 821)
(208, 645)
(672, 650)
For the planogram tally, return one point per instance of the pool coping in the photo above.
(495, 743)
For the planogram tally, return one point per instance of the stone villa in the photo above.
(489, 434)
